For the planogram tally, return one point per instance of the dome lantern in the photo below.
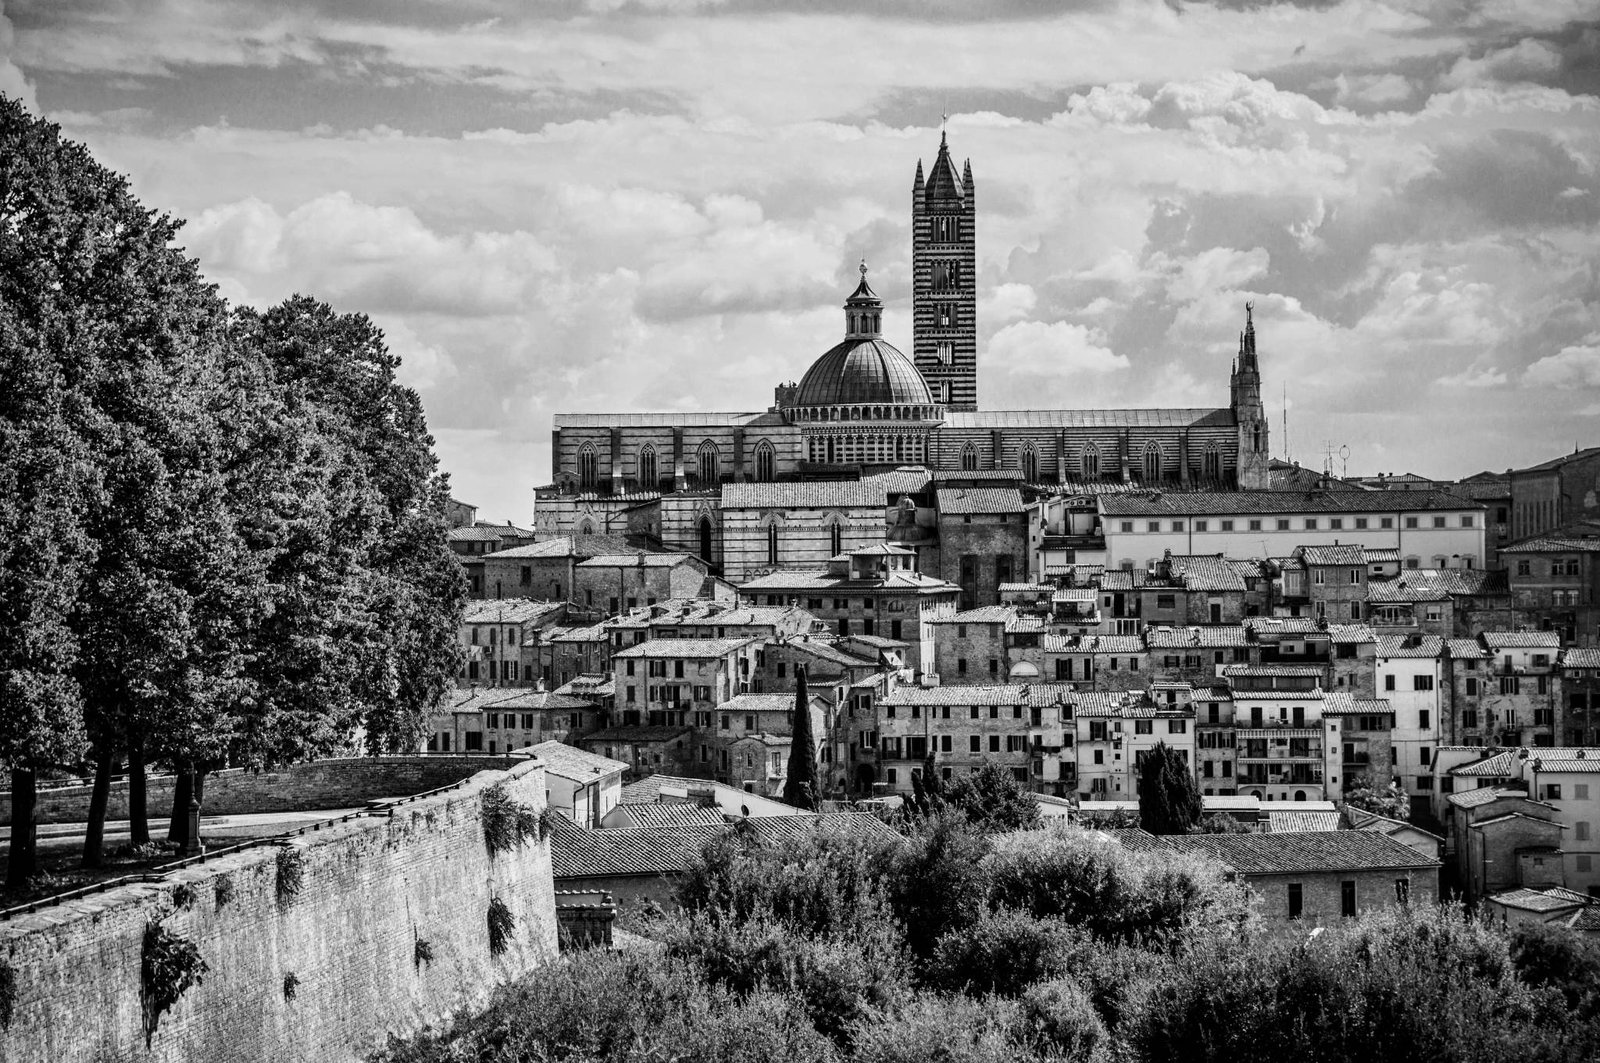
(863, 311)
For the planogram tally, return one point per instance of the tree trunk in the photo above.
(178, 822)
(23, 860)
(138, 817)
(94, 835)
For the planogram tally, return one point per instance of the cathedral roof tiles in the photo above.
(1203, 503)
(823, 494)
(1102, 419)
(968, 500)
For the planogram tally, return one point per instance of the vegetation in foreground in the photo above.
(952, 945)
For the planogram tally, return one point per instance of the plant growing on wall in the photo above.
(291, 874)
(422, 953)
(8, 993)
(183, 896)
(507, 822)
(501, 924)
(291, 986)
(548, 820)
(224, 891)
(170, 965)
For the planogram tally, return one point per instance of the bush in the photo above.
(169, 966)
(1140, 898)
(933, 1029)
(224, 890)
(937, 880)
(1061, 1022)
(636, 1005)
(508, 823)
(501, 926)
(993, 800)
(1002, 953)
(291, 873)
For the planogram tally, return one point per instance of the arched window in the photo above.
(836, 539)
(1213, 463)
(648, 480)
(1255, 439)
(1152, 463)
(705, 539)
(772, 544)
(766, 463)
(708, 463)
(1091, 462)
(588, 467)
(585, 527)
(969, 458)
(1030, 464)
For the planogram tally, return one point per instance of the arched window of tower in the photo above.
(588, 467)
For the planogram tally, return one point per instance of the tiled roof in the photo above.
(1093, 644)
(507, 610)
(1337, 554)
(1206, 572)
(1021, 588)
(591, 633)
(590, 686)
(474, 535)
(1074, 594)
(1548, 545)
(758, 703)
(636, 732)
(812, 494)
(669, 848)
(1135, 839)
(1536, 900)
(529, 700)
(570, 762)
(1566, 759)
(1344, 634)
(1521, 640)
(569, 546)
(1483, 795)
(1291, 671)
(1436, 584)
(673, 815)
(1377, 555)
(1556, 463)
(1211, 636)
(664, 419)
(1340, 703)
(1360, 819)
(1225, 503)
(963, 695)
(1398, 646)
(635, 561)
(1496, 765)
(1575, 657)
(883, 642)
(959, 500)
(1466, 649)
(987, 614)
(1135, 418)
(1304, 851)
(686, 648)
(1279, 695)
(828, 652)
(1288, 820)
(902, 481)
(1282, 625)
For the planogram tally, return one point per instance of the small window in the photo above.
(1296, 900)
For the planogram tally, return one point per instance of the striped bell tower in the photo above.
(944, 300)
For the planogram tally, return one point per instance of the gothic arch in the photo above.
(969, 457)
(649, 475)
(766, 462)
(1212, 468)
(1154, 467)
(1028, 461)
(1090, 462)
(588, 468)
(707, 464)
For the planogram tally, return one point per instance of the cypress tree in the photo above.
(800, 788)
(1169, 800)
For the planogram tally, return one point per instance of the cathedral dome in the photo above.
(863, 370)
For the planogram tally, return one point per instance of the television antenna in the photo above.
(1331, 450)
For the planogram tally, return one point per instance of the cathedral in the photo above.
(865, 408)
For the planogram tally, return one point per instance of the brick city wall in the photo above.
(371, 888)
(346, 782)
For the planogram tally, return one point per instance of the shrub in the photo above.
(224, 890)
(501, 925)
(1061, 1023)
(291, 986)
(937, 880)
(291, 873)
(183, 896)
(507, 822)
(8, 994)
(169, 966)
(993, 800)
(421, 953)
(943, 1029)
(1002, 953)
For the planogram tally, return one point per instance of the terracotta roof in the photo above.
(1135, 839)
(1337, 554)
(686, 648)
(1538, 900)
(986, 614)
(570, 762)
(475, 535)
(1290, 671)
(569, 546)
(1304, 852)
(590, 686)
(1466, 649)
(1288, 820)
(1521, 640)
(1397, 646)
(1549, 545)
(812, 494)
(1213, 636)
(960, 695)
(1483, 795)
(636, 732)
(1574, 657)
(1206, 572)
(1344, 634)
(828, 652)
(902, 481)
(1436, 584)
(530, 700)
(636, 561)
(1556, 463)
(1566, 759)
(967, 500)
(1093, 644)
(821, 581)
(1494, 765)
(507, 610)
(672, 815)
(759, 703)
(1225, 503)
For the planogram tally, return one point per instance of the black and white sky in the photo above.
(592, 205)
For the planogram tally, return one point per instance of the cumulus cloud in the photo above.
(1484, 377)
(1057, 349)
(1527, 60)
(1576, 366)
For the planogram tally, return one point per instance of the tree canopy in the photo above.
(1169, 800)
(222, 531)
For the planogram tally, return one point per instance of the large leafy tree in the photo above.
(1169, 800)
(992, 799)
(800, 787)
(1390, 801)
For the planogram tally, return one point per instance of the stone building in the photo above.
(682, 681)
(545, 569)
(1556, 494)
(1580, 687)
(983, 541)
(618, 582)
(771, 526)
(1555, 582)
